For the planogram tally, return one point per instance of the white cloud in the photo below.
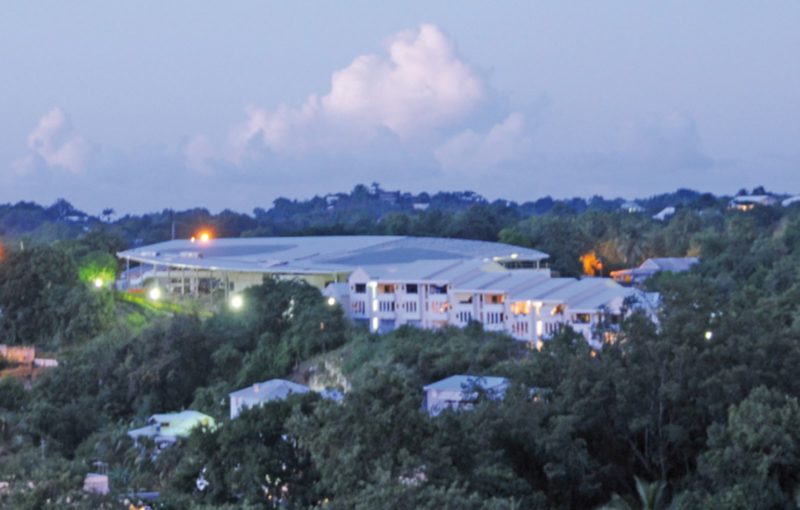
(55, 142)
(469, 152)
(420, 86)
(670, 142)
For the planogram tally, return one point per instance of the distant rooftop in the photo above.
(267, 391)
(461, 382)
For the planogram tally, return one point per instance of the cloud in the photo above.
(54, 143)
(469, 152)
(419, 86)
(670, 142)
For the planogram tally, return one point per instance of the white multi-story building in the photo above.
(528, 304)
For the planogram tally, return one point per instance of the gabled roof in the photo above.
(674, 264)
(267, 391)
(461, 382)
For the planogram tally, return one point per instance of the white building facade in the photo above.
(528, 304)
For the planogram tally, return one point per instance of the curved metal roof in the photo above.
(320, 254)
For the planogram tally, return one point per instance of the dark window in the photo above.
(411, 288)
(361, 288)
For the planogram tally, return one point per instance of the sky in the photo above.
(141, 106)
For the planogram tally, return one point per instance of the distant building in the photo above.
(748, 202)
(167, 428)
(527, 303)
(421, 206)
(664, 213)
(24, 355)
(649, 267)
(96, 483)
(632, 207)
(222, 266)
(261, 393)
(385, 282)
(460, 392)
(791, 200)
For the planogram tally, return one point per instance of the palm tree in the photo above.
(651, 496)
(107, 214)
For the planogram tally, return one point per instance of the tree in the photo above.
(753, 459)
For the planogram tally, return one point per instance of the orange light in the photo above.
(592, 265)
(193, 239)
(204, 236)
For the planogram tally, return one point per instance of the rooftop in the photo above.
(461, 382)
(267, 391)
(172, 425)
(320, 254)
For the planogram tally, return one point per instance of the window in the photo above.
(521, 308)
(494, 318)
(437, 307)
(360, 288)
(386, 289)
(581, 318)
(411, 306)
(358, 307)
(438, 289)
(411, 288)
(495, 299)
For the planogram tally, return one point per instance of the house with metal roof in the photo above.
(263, 392)
(748, 202)
(461, 391)
(167, 428)
(638, 275)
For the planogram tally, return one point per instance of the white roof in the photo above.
(754, 199)
(461, 382)
(791, 200)
(267, 391)
(319, 254)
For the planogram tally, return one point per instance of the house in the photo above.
(461, 391)
(420, 206)
(23, 355)
(261, 393)
(167, 428)
(632, 207)
(664, 213)
(96, 483)
(649, 267)
(791, 200)
(748, 202)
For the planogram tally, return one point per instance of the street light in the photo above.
(237, 302)
(98, 283)
(154, 294)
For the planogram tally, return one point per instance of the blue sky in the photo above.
(145, 105)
